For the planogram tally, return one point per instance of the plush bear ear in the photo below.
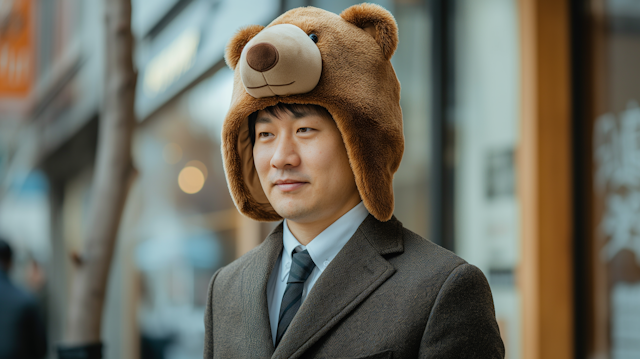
(378, 22)
(237, 42)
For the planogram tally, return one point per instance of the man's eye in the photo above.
(264, 134)
(305, 129)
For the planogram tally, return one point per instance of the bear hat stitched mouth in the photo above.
(280, 60)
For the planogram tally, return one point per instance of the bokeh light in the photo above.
(199, 165)
(191, 180)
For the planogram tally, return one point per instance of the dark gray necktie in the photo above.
(301, 267)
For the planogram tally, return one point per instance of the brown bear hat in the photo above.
(342, 63)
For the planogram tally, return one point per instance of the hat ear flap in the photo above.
(376, 21)
(237, 43)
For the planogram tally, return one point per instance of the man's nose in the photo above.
(285, 154)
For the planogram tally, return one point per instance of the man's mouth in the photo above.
(288, 185)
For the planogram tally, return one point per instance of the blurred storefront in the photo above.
(50, 80)
(522, 129)
(610, 251)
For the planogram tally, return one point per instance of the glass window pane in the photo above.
(486, 121)
(614, 281)
(412, 62)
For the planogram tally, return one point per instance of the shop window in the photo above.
(485, 117)
(613, 253)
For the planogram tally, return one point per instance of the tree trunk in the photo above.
(113, 175)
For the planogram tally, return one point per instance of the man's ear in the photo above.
(378, 22)
(237, 43)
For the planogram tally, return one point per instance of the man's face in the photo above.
(303, 166)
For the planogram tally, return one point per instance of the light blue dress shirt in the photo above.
(322, 249)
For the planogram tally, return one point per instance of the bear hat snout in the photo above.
(262, 57)
(280, 60)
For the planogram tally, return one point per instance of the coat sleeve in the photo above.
(33, 337)
(462, 322)
(208, 320)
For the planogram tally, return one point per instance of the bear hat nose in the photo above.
(262, 57)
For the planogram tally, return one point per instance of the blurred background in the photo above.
(522, 128)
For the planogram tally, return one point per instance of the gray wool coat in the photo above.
(389, 293)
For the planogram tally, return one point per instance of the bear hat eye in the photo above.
(314, 38)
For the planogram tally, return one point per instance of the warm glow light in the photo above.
(199, 165)
(172, 153)
(191, 180)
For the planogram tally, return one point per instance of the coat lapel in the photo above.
(258, 342)
(354, 273)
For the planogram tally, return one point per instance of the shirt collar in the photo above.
(326, 245)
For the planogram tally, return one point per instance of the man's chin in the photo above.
(297, 212)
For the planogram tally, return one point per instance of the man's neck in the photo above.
(305, 232)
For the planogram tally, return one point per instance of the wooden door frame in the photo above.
(544, 180)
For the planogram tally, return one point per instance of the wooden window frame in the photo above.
(545, 180)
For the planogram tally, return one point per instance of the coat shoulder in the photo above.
(423, 253)
(236, 267)
(264, 254)
(233, 271)
(16, 298)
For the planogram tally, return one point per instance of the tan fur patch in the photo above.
(378, 22)
(236, 44)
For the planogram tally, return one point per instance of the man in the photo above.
(313, 136)
(22, 334)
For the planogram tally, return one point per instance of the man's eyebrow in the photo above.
(297, 114)
(263, 120)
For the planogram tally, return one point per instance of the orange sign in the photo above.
(16, 48)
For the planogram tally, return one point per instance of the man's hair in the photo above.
(6, 254)
(277, 110)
